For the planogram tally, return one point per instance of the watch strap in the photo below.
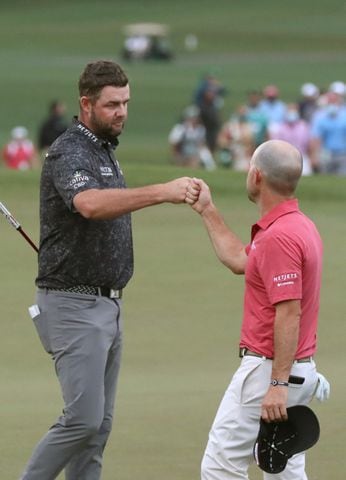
(280, 383)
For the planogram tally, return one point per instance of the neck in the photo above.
(269, 200)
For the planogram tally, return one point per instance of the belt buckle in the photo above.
(114, 293)
(242, 352)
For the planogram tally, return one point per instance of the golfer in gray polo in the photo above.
(85, 262)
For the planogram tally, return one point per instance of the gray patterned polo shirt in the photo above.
(73, 249)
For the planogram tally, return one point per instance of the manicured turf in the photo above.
(182, 308)
(182, 316)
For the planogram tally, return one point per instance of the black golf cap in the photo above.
(278, 441)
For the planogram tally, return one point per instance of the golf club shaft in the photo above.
(12, 221)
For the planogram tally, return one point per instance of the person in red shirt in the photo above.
(282, 266)
(19, 153)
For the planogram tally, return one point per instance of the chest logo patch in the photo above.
(106, 171)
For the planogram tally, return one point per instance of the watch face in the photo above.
(274, 382)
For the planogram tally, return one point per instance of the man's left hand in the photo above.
(274, 404)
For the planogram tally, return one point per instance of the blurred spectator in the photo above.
(209, 81)
(338, 87)
(53, 126)
(322, 100)
(188, 141)
(209, 98)
(236, 139)
(272, 106)
(256, 117)
(210, 115)
(308, 101)
(296, 131)
(329, 136)
(19, 153)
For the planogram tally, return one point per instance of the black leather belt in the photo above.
(245, 351)
(89, 290)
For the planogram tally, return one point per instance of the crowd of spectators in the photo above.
(315, 123)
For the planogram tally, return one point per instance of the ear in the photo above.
(85, 104)
(258, 176)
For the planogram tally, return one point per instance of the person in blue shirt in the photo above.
(329, 136)
(271, 106)
(256, 117)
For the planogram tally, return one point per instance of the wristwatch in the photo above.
(276, 382)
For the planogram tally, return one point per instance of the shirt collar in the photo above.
(285, 207)
(92, 137)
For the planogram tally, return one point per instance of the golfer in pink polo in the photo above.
(282, 266)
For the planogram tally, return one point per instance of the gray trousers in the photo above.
(83, 334)
(333, 163)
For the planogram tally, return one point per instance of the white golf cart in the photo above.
(145, 41)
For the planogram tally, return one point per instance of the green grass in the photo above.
(182, 317)
(182, 308)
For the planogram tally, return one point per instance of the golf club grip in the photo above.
(9, 217)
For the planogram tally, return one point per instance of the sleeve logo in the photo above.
(78, 180)
(285, 279)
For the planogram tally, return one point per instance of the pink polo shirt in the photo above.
(284, 263)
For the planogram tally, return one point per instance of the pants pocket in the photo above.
(254, 384)
(41, 324)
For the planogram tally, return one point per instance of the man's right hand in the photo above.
(176, 190)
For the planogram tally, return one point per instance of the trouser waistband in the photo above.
(90, 290)
(246, 352)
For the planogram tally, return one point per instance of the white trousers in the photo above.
(229, 451)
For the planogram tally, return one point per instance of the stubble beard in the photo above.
(104, 130)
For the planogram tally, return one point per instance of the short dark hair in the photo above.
(99, 74)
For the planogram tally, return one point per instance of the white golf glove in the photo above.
(322, 391)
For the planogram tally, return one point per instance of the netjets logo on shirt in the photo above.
(87, 133)
(285, 279)
(78, 180)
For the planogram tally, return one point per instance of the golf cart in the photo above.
(145, 41)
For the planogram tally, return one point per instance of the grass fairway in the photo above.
(182, 316)
(182, 309)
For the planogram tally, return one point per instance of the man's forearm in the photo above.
(98, 204)
(228, 247)
(286, 332)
